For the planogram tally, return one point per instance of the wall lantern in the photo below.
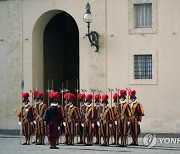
(92, 35)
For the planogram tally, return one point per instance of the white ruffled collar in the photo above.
(122, 102)
(105, 106)
(26, 105)
(54, 104)
(97, 105)
(89, 105)
(133, 102)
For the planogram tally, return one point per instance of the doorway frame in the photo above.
(37, 48)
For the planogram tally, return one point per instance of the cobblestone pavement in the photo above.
(10, 144)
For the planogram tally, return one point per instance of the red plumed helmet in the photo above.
(56, 96)
(132, 92)
(105, 97)
(97, 97)
(115, 96)
(71, 96)
(81, 96)
(25, 95)
(122, 92)
(50, 95)
(40, 94)
(35, 93)
(66, 95)
(89, 97)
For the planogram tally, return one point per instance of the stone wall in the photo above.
(21, 29)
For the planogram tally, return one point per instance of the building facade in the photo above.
(43, 42)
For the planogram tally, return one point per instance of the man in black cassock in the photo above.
(53, 118)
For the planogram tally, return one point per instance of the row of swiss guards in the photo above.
(94, 117)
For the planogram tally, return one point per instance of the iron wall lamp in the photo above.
(93, 36)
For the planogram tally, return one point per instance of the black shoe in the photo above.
(113, 143)
(54, 147)
(133, 144)
(81, 142)
(104, 144)
(38, 144)
(122, 145)
(34, 142)
(24, 143)
(87, 144)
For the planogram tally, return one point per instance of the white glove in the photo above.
(128, 122)
(110, 125)
(76, 124)
(34, 122)
(31, 123)
(115, 123)
(98, 123)
(139, 122)
(64, 124)
(58, 127)
(82, 125)
(92, 125)
(19, 123)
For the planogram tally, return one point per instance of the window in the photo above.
(143, 15)
(142, 66)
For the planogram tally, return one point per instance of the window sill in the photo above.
(143, 30)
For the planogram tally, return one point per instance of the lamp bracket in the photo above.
(93, 37)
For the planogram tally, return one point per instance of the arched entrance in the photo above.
(55, 51)
(61, 52)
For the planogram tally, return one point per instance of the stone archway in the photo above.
(61, 52)
(55, 50)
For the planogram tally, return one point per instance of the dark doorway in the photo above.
(61, 53)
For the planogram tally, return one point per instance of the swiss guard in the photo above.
(72, 119)
(125, 115)
(35, 114)
(89, 123)
(61, 112)
(41, 128)
(136, 116)
(98, 117)
(53, 119)
(107, 120)
(25, 115)
(65, 120)
(116, 125)
(82, 112)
